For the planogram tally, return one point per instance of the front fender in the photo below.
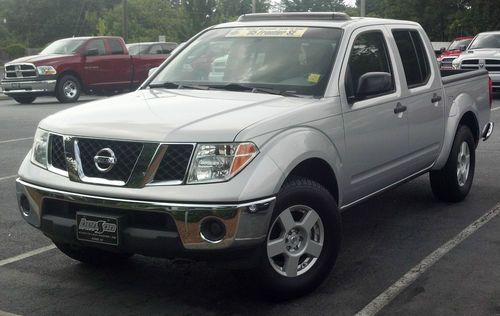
(288, 148)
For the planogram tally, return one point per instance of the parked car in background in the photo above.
(483, 53)
(449, 54)
(151, 48)
(68, 67)
(306, 115)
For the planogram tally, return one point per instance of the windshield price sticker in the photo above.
(268, 32)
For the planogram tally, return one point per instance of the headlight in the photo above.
(39, 150)
(219, 162)
(455, 64)
(46, 70)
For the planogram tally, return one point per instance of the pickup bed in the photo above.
(70, 66)
(250, 163)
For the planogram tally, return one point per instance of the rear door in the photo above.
(423, 92)
(376, 135)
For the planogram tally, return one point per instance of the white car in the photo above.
(483, 53)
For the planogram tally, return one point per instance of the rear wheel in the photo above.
(454, 181)
(302, 243)
(92, 256)
(68, 89)
(24, 99)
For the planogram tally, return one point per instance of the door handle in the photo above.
(436, 98)
(399, 108)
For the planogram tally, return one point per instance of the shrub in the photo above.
(15, 51)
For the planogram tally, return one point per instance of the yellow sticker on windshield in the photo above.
(268, 32)
(314, 78)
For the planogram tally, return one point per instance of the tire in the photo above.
(278, 275)
(92, 256)
(24, 99)
(454, 181)
(68, 89)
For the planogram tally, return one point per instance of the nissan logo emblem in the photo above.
(105, 160)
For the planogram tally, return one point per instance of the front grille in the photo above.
(492, 62)
(57, 155)
(13, 71)
(470, 62)
(126, 154)
(174, 164)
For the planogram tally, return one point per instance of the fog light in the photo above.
(25, 205)
(212, 230)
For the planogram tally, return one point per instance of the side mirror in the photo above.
(442, 49)
(463, 48)
(91, 52)
(152, 71)
(374, 83)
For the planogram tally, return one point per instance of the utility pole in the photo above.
(363, 8)
(254, 6)
(125, 20)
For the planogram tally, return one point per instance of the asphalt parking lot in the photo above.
(384, 239)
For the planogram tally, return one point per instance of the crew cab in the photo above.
(310, 114)
(68, 67)
(482, 53)
(449, 54)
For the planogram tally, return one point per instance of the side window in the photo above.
(414, 57)
(97, 44)
(116, 46)
(155, 49)
(369, 72)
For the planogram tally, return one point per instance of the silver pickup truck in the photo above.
(308, 114)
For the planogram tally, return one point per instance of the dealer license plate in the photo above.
(97, 228)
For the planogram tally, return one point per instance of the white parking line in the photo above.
(14, 140)
(494, 109)
(27, 255)
(2, 313)
(411, 276)
(8, 177)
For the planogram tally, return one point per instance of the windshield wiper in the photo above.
(242, 87)
(176, 85)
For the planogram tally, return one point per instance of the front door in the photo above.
(376, 123)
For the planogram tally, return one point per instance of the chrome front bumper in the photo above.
(245, 223)
(27, 87)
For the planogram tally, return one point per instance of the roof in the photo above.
(318, 19)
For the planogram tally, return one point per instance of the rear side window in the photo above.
(415, 61)
(116, 46)
(369, 54)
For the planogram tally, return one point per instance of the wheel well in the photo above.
(469, 120)
(74, 74)
(320, 171)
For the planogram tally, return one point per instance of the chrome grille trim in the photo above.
(142, 173)
(20, 71)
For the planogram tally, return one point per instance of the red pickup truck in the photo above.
(68, 67)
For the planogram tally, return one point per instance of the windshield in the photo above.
(137, 49)
(455, 45)
(65, 46)
(289, 59)
(486, 41)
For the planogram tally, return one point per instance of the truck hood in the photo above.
(162, 115)
(38, 60)
(481, 53)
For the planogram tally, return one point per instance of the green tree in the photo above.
(312, 5)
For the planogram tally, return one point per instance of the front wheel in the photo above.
(24, 99)
(454, 181)
(302, 242)
(68, 89)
